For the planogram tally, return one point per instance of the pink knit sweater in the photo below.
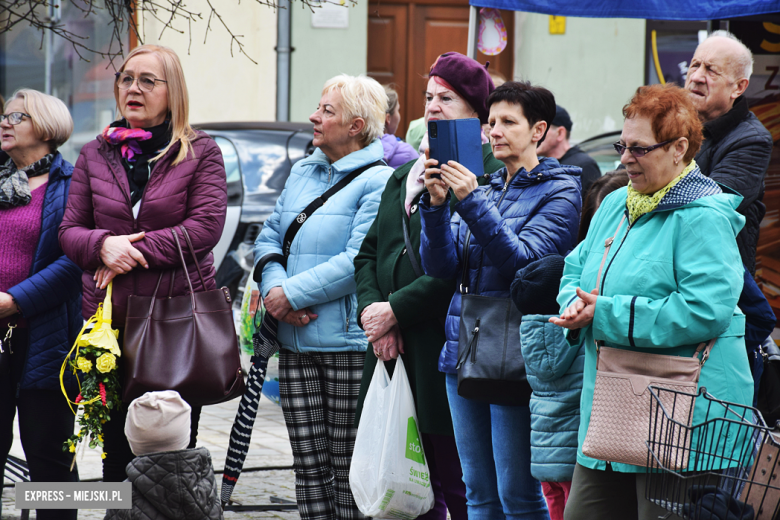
(20, 229)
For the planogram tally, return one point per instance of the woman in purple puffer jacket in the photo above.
(397, 152)
(145, 176)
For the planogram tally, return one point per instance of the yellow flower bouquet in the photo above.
(93, 361)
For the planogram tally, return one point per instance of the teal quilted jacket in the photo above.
(554, 371)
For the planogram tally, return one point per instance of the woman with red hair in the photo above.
(670, 282)
(403, 310)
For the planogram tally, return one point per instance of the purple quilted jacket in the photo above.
(193, 194)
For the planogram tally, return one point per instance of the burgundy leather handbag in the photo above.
(184, 343)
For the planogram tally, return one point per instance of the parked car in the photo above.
(601, 150)
(258, 157)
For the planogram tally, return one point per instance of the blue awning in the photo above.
(648, 9)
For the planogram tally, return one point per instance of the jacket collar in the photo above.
(404, 169)
(371, 153)
(692, 187)
(720, 127)
(547, 169)
(571, 151)
(57, 169)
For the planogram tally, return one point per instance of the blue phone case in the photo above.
(457, 140)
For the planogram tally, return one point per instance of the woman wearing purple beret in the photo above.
(401, 309)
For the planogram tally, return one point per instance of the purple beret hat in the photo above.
(469, 79)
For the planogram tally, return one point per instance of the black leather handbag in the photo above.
(490, 365)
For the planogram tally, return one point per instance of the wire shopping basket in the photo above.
(722, 465)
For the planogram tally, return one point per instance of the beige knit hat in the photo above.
(158, 421)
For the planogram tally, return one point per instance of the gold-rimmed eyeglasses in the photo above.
(146, 82)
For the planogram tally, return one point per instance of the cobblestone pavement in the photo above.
(269, 447)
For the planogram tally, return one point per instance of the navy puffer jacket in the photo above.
(50, 299)
(537, 216)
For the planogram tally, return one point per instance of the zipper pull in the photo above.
(329, 174)
(473, 348)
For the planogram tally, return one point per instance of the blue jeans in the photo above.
(494, 444)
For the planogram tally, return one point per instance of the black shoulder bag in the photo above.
(490, 364)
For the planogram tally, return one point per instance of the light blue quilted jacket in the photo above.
(554, 371)
(320, 271)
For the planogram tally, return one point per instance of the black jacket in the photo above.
(590, 168)
(736, 153)
(171, 485)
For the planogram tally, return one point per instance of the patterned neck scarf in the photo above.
(127, 139)
(139, 147)
(639, 204)
(14, 183)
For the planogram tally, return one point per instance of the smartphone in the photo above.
(457, 140)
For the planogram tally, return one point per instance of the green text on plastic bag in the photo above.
(413, 446)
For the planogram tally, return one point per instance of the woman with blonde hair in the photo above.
(146, 176)
(397, 152)
(40, 291)
(314, 295)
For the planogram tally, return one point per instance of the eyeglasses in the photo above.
(640, 151)
(146, 82)
(14, 118)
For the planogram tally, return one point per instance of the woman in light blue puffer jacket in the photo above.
(314, 297)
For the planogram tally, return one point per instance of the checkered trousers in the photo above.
(319, 393)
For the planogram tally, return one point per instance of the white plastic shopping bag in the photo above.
(389, 475)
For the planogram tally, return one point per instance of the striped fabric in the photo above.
(266, 345)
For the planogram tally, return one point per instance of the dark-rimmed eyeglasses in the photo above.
(640, 151)
(14, 118)
(146, 82)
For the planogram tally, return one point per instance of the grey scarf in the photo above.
(14, 183)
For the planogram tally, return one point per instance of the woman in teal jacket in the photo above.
(671, 281)
(314, 297)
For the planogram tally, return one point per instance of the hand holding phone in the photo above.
(459, 178)
(434, 183)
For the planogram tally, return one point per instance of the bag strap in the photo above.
(186, 275)
(706, 355)
(418, 272)
(705, 346)
(317, 203)
(303, 216)
(607, 246)
(464, 281)
(192, 253)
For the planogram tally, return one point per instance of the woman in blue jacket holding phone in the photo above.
(528, 209)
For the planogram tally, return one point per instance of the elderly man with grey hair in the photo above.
(737, 147)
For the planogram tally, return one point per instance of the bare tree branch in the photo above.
(122, 16)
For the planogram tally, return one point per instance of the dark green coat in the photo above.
(384, 273)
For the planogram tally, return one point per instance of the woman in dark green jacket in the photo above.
(401, 309)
